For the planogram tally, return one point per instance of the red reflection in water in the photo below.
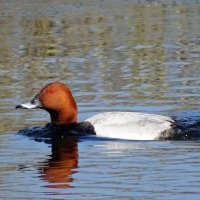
(62, 164)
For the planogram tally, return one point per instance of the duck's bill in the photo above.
(28, 105)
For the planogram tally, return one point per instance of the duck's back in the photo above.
(131, 125)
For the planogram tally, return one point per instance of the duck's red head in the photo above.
(57, 99)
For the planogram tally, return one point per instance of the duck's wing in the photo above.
(130, 125)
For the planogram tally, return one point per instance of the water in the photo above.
(114, 55)
(99, 169)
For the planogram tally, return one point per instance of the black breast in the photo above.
(82, 128)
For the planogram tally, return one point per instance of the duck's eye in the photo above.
(33, 101)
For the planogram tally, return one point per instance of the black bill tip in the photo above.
(19, 106)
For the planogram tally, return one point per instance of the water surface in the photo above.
(114, 55)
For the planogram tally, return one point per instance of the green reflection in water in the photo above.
(112, 55)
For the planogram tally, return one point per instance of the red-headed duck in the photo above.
(57, 99)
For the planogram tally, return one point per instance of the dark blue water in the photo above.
(98, 168)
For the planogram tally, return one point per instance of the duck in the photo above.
(57, 99)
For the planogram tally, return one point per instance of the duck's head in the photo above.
(56, 98)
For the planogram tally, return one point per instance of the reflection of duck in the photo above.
(57, 99)
(63, 162)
